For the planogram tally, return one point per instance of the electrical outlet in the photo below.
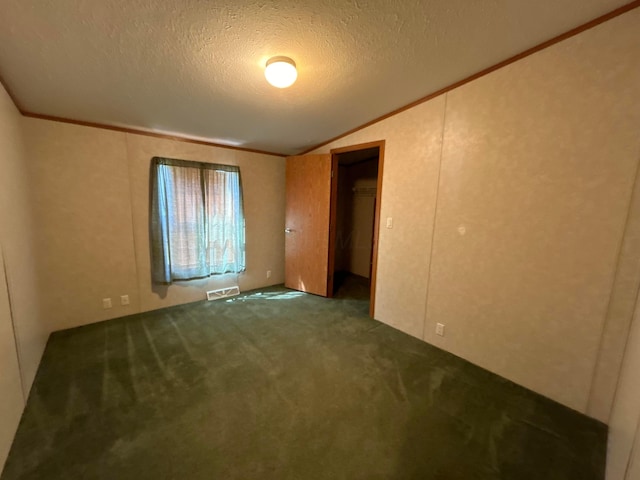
(389, 222)
(440, 329)
(124, 299)
(268, 273)
(106, 303)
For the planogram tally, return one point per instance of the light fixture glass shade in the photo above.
(281, 72)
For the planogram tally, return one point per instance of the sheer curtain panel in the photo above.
(197, 220)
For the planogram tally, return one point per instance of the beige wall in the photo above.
(91, 196)
(509, 199)
(634, 463)
(20, 320)
(619, 313)
(12, 397)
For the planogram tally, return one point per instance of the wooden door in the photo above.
(308, 199)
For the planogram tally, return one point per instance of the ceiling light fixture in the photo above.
(281, 72)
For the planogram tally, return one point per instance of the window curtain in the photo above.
(197, 220)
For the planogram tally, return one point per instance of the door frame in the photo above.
(333, 213)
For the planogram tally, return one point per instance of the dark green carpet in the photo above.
(281, 385)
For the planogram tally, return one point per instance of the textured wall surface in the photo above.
(196, 68)
(19, 293)
(538, 166)
(10, 386)
(537, 172)
(80, 187)
(91, 197)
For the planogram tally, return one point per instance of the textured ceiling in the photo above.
(195, 67)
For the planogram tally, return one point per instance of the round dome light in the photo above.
(281, 72)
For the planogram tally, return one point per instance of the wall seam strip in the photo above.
(435, 217)
(624, 350)
(133, 226)
(14, 328)
(594, 371)
(634, 446)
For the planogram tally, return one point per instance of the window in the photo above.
(197, 221)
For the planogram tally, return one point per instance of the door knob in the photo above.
(288, 230)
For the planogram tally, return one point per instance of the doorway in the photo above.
(355, 207)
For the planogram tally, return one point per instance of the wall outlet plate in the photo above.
(440, 329)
